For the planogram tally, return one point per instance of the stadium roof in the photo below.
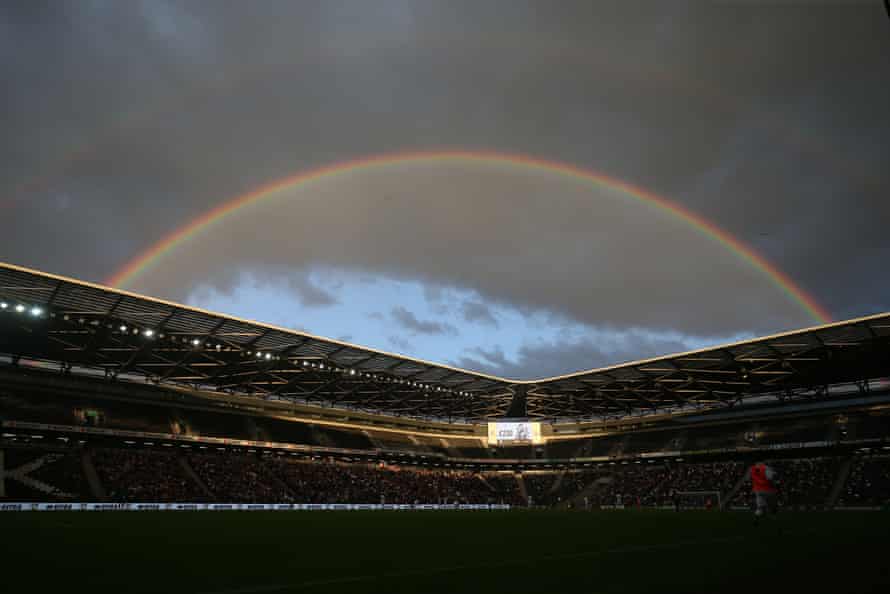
(54, 318)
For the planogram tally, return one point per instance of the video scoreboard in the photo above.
(514, 432)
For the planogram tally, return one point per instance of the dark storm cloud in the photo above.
(478, 312)
(435, 297)
(123, 120)
(298, 281)
(311, 294)
(401, 345)
(410, 322)
(548, 359)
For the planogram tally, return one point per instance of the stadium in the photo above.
(120, 402)
(444, 296)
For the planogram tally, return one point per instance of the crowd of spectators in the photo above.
(321, 481)
(506, 488)
(64, 472)
(807, 482)
(159, 475)
(711, 476)
(46, 473)
(144, 476)
(804, 482)
(538, 486)
(239, 479)
(800, 482)
(868, 483)
(573, 483)
(632, 485)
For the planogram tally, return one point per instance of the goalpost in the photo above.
(700, 500)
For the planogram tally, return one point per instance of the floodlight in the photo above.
(19, 308)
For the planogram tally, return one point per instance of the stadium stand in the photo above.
(64, 471)
(48, 473)
(506, 488)
(633, 485)
(519, 452)
(33, 407)
(208, 424)
(571, 485)
(869, 482)
(281, 431)
(538, 486)
(866, 426)
(564, 448)
(239, 479)
(40, 472)
(396, 442)
(805, 482)
(202, 407)
(433, 445)
(655, 441)
(115, 415)
(340, 438)
(322, 481)
(144, 476)
(457, 449)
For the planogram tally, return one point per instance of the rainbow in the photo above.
(150, 257)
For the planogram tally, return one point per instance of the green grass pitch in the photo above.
(514, 552)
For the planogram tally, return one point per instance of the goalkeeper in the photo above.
(763, 485)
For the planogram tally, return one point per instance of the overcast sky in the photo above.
(124, 120)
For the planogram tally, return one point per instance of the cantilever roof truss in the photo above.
(83, 324)
(801, 364)
(92, 326)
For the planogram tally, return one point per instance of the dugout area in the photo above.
(432, 552)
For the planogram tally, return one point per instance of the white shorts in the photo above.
(764, 502)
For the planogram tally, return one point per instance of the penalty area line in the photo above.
(271, 588)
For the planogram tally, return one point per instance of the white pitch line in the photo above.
(464, 567)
